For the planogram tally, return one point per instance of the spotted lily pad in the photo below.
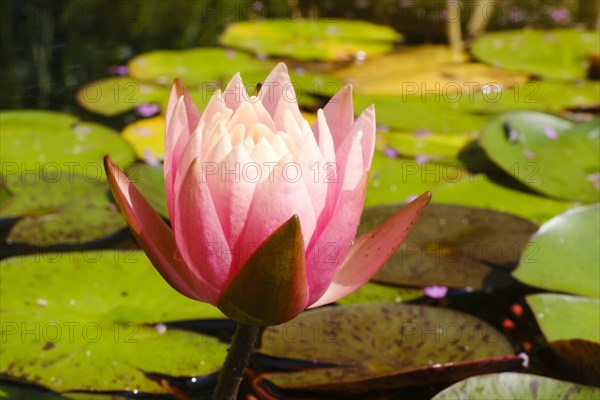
(575, 360)
(453, 246)
(58, 208)
(93, 321)
(560, 258)
(566, 317)
(147, 137)
(57, 143)
(383, 346)
(150, 181)
(305, 39)
(547, 153)
(554, 54)
(515, 386)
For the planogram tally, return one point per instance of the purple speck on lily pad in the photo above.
(120, 70)
(594, 179)
(435, 292)
(560, 14)
(550, 132)
(145, 132)
(421, 133)
(150, 158)
(391, 152)
(81, 129)
(148, 109)
(421, 159)
(529, 154)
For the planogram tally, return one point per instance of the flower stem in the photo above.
(236, 362)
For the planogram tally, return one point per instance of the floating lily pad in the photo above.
(97, 320)
(555, 54)
(575, 360)
(480, 191)
(432, 112)
(546, 153)
(434, 146)
(150, 181)
(397, 180)
(426, 69)
(566, 317)
(453, 246)
(58, 208)
(51, 142)
(305, 39)
(147, 137)
(377, 293)
(560, 258)
(20, 392)
(384, 346)
(515, 386)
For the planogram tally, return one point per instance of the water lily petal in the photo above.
(327, 251)
(199, 235)
(371, 250)
(339, 112)
(151, 232)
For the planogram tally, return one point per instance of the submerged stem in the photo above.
(236, 362)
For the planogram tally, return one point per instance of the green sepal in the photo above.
(271, 287)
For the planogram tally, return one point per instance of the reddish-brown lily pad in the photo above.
(573, 360)
(374, 346)
(453, 246)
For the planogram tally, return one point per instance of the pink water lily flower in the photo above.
(263, 207)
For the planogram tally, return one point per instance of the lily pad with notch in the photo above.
(375, 346)
(102, 332)
(454, 246)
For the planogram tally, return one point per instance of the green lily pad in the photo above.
(434, 146)
(479, 191)
(546, 153)
(53, 142)
(147, 137)
(432, 112)
(575, 360)
(92, 321)
(196, 67)
(515, 386)
(397, 180)
(305, 39)
(20, 392)
(150, 181)
(453, 246)
(559, 257)
(566, 317)
(59, 208)
(383, 346)
(554, 54)
(373, 292)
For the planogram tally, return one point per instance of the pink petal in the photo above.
(150, 230)
(215, 105)
(339, 112)
(327, 251)
(370, 251)
(235, 93)
(277, 91)
(276, 199)
(178, 90)
(199, 236)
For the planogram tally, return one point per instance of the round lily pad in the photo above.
(58, 208)
(383, 346)
(546, 153)
(453, 246)
(554, 54)
(434, 146)
(305, 39)
(51, 142)
(147, 137)
(566, 317)
(559, 257)
(94, 321)
(515, 386)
